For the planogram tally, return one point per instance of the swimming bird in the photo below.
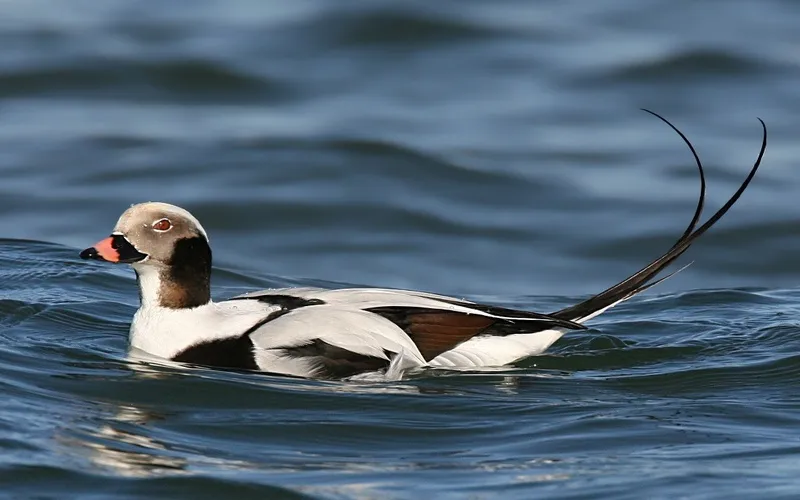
(338, 333)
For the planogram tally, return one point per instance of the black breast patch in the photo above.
(234, 352)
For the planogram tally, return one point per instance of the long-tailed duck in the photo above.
(313, 332)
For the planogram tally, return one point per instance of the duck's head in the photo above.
(168, 249)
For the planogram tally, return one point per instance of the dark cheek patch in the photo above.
(186, 281)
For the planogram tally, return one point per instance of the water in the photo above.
(489, 150)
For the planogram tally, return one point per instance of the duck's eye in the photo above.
(162, 225)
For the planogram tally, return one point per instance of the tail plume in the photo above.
(643, 279)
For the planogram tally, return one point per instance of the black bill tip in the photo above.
(90, 253)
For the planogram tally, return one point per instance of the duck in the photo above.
(340, 333)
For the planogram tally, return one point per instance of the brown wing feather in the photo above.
(435, 331)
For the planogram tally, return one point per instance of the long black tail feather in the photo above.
(643, 279)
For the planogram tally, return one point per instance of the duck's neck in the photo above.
(184, 282)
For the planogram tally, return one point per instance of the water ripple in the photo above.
(696, 63)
